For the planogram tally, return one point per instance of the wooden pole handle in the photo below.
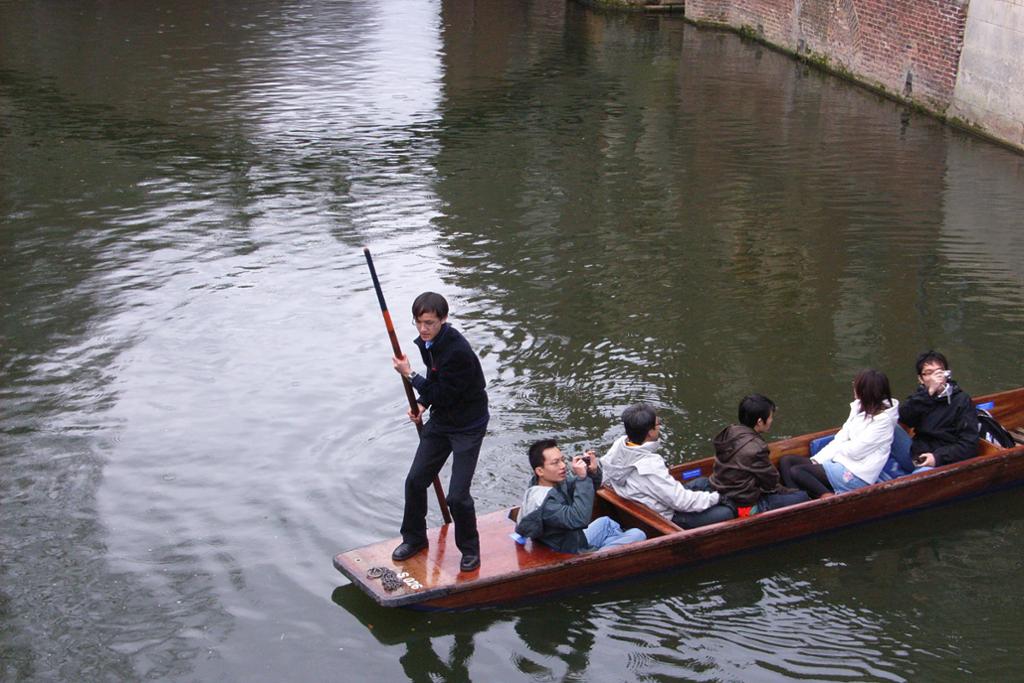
(445, 512)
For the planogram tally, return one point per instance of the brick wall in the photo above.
(909, 47)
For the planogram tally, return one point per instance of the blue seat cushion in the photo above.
(900, 462)
(820, 443)
(900, 451)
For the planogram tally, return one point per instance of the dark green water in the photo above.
(197, 408)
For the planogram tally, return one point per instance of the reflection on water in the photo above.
(196, 404)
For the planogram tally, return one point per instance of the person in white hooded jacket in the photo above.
(860, 449)
(634, 470)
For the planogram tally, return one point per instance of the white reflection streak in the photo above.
(351, 91)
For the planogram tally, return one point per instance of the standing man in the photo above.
(942, 414)
(454, 390)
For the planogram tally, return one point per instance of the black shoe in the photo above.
(470, 561)
(407, 550)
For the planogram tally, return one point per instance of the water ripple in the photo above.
(198, 407)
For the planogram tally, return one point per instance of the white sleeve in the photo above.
(828, 450)
(678, 497)
(875, 434)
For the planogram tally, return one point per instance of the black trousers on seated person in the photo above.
(803, 473)
(774, 501)
(713, 515)
(435, 447)
(716, 513)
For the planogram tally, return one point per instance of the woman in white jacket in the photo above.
(857, 454)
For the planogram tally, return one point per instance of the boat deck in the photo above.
(436, 570)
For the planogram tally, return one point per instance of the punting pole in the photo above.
(405, 382)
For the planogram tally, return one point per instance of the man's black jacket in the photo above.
(454, 387)
(945, 426)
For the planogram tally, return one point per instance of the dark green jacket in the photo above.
(557, 515)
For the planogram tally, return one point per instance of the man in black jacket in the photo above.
(454, 390)
(943, 416)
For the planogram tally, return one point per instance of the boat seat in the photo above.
(900, 462)
(820, 443)
(638, 512)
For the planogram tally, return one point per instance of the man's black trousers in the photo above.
(435, 446)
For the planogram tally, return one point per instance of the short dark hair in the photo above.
(430, 302)
(872, 388)
(639, 419)
(536, 452)
(755, 407)
(931, 356)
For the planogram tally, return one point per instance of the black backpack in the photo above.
(993, 432)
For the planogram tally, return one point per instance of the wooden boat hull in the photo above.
(510, 572)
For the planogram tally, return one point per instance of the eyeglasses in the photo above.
(428, 324)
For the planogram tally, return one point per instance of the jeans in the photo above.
(714, 514)
(842, 479)
(435, 447)
(605, 532)
(774, 501)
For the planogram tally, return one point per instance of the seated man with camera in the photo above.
(556, 510)
(943, 416)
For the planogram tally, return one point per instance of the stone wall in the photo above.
(955, 58)
(989, 90)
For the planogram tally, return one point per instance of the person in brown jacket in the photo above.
(743, 470)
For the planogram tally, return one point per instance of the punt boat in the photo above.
(510, 572)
